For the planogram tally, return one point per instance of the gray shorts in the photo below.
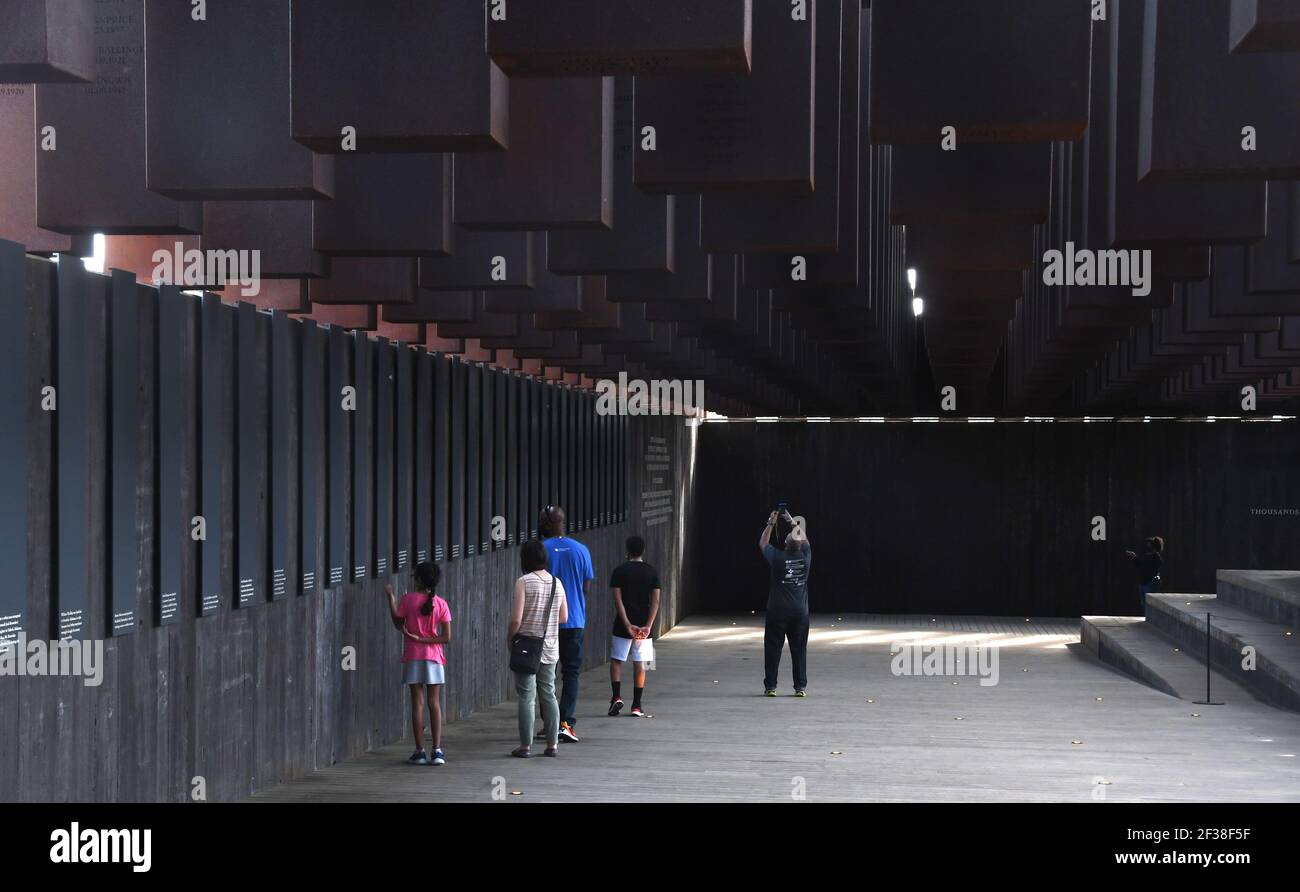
(423, 672)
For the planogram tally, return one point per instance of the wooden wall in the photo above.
(995, 519)
(250, 697)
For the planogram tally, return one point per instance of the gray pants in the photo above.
(527, 687)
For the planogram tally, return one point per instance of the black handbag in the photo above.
(526, 650)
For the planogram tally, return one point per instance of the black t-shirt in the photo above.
(788, 588)
(637, 580)
(1148, 566)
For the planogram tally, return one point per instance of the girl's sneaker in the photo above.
(615, 705)
(637, 712)
(419, 757)
(439, 758)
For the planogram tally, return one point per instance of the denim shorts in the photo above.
(423, 672)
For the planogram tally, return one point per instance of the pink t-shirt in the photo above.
(425, 626)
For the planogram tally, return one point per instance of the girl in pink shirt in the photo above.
(425, 621)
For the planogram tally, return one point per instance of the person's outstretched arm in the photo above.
(398, 621)
(764, 539)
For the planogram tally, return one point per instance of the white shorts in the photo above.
(643, 649)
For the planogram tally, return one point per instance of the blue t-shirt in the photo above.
(570, 561)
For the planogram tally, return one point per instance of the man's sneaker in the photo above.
(769, 693)
(439, 758)
(637, 712)
(419, 757)
(800, 692)
(566, 733)
(616, 706)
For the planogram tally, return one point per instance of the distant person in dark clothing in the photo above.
(636, 604)
(1148, 565)
(787, 603)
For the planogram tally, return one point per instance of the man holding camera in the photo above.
(787, 602)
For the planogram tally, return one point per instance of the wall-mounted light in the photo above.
(911, 280)
(918, 306)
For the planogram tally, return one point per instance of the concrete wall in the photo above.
(246, 698)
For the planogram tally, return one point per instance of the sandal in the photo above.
(522, 752)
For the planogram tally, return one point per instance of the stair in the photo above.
(1257, 609)
(1273, 594)
(1276, 676)
(1132, 645)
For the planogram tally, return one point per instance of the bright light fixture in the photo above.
(911, 280)
(918, 306)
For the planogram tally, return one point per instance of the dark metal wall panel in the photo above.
(642, 236)
(753, 221)
(535, 38)
(473, 455)
(363, 450)
(539, 452)
(338, 467)
(72, 447)
(516, 458)
(718, 133)
(1146, 479)
(482, 261)
(202, 75)
(442, 429)
(487, 457)
(48, 41)
(355, 65)
(386, 206)
(126, 309)
(91, 183)
(19, 139)
(16, 402)
(424, 454)
(251, 459)
(406, 420)
(544, 182)
(316, 402)
(456, 465)
(214, 447)
(385, 435)
(284, 436)
(178, 399)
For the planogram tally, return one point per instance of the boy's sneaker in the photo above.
(637, 712)
(616, 706)
(800, 692)
(419, 757)
(769, 693)
(439, 758)
(566, 733)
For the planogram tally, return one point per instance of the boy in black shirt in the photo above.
(1148, 566)
(636, 604)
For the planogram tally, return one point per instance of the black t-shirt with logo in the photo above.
(788, 589)
(637, 580)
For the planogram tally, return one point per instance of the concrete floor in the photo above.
(863, 733)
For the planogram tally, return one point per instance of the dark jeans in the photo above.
(1144, 589)
(571, 667)
(783, 626)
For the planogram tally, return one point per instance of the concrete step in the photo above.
(1275, 677)
(1270, 594)
(1132, 645)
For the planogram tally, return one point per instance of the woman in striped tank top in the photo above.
(538, 610)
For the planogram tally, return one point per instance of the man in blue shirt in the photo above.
(570, 562)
